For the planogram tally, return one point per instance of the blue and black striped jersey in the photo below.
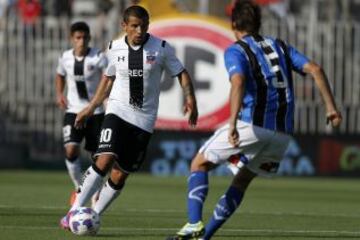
(269, 96)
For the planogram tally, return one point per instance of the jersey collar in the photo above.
(86, 53)
(147, 37)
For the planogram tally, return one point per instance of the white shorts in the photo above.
(260, 149)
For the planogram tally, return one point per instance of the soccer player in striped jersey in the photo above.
(136, 63)
(261, 118)
(80, 69)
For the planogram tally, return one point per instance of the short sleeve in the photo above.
(298, 59)
(60, 67)
(235, 62)
(103, 61)
(110, 70)
(172, 63)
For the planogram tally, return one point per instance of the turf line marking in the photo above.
(150, 210)
(121, 229)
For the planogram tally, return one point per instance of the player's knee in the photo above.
(71, 153)
(116, 185)
(243, 179)
(199, 163)
(105, 162)
(118, 177)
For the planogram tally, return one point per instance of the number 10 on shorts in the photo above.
(105, 135)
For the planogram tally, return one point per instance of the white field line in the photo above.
(166, 230)
(134, 210)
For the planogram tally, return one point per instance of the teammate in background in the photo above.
(80, 68)
(261, 118)
(136, 63)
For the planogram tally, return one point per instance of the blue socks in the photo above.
(226, 206)
(197, 192)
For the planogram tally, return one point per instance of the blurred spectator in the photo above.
(29, 11)
(355, 10)
(63, 8)
(278, 7)
(3, 6)
(104, 7)
(3, 9)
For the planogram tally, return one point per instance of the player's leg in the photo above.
(130, 151)
(93, 180)
(72, 138)
(230, 201)
(111, 189)
(260, 157)
(196, 196)
(92, 137)
(72, 163)
(217, 150)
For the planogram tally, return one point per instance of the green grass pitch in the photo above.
(32, 202)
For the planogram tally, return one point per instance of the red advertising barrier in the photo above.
(339, 155)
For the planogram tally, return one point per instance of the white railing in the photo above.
(29, 57)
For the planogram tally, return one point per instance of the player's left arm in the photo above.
(175, 68)
(190, 106)
(333, 115)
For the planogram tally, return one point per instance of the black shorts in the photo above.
(91, 132)
(127, 142)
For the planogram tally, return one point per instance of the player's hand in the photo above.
(233, 136)
(81, 118)
(61, 102)
(334, 118)
(190, 110)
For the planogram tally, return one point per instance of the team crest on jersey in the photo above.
(150, 57)
(90, 67)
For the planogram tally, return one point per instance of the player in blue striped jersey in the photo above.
(261, 118)
(268, 100)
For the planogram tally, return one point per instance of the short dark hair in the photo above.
(246, 16)
(79, 27)
(136, 11)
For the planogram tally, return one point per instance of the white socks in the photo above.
(108, 193)
(74, 169)
(92, 182)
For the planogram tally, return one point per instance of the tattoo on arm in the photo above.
(188, 90)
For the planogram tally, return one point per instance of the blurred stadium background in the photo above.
(33, 33)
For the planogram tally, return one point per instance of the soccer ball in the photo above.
(84, 221)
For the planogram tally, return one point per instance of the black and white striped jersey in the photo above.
(135, 93)
(82, 77)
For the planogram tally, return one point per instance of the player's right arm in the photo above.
(102, 92)
(235, 63)
(60, 86)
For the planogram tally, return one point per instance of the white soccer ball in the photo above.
(84, 221)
